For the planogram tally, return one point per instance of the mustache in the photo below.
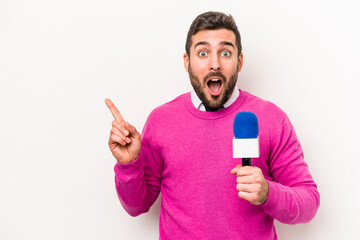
(214, 74)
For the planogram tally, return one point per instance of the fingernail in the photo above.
(128, 140)
(126, 132)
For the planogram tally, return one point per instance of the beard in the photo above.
(214, 102)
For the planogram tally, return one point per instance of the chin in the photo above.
(215, 102)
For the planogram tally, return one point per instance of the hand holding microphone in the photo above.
(251, 184)
(124, 140)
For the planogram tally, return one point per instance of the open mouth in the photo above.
(214, 85)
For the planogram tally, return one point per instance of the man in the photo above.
(186, 152)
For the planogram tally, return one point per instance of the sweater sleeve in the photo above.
(293, 196)
(138, 182)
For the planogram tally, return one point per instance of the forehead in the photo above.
(214, 37)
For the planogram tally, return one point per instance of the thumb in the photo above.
(234, 170)
(132, 130)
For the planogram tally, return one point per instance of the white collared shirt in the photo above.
(199, 105)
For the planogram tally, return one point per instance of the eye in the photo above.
(202, 54)
(225, 54)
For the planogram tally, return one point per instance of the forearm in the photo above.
(134, 193)
(291, 205)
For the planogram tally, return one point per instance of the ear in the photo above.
(186, 62)
(240, 61)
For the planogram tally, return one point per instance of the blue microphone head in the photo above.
(246, 125)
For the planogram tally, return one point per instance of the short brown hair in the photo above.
(212, 21)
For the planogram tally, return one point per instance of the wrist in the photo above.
(266, 192)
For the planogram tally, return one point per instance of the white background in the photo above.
(59, 60)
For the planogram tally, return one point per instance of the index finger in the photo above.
(114, 111)
(242, 171)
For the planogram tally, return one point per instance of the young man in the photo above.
(185, 151)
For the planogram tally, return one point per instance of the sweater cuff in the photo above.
(123, 169)
(272, 199)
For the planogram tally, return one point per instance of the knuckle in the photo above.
(113, 131)
(115, 123)
(238, 179)
(113, 137)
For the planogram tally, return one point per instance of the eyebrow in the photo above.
(202, 43)
(223, 43)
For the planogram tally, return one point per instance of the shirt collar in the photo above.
(199, 105)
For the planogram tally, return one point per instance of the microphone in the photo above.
(246, 140)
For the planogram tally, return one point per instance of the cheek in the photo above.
(199, 69)
(229, 67)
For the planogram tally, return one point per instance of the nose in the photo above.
(214, 64)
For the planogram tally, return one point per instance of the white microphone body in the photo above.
(246, 148)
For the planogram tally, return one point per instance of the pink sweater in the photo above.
(187, 155)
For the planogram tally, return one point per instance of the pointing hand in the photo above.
(124, 140)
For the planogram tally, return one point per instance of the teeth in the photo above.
(214, 79)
